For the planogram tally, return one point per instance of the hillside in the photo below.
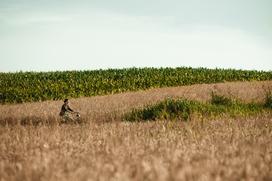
(111, 107)
(204, 148)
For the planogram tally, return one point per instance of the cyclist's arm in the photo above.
(69, 109)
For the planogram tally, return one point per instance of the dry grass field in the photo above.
(105, 148)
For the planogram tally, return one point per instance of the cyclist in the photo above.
(66, 111)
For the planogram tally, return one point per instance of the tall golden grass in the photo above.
(107, 149)
(223, 149)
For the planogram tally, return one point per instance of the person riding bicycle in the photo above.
(66, 111)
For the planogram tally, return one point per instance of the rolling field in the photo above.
(107, 148)
(22, 87)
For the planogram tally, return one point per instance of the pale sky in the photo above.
(49, 35)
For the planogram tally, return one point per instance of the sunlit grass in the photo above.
(222, 147)
(225, 149)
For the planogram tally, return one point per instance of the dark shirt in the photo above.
(65, 108)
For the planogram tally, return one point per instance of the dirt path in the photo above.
(110, 106)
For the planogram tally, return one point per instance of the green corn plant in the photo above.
(39, 86)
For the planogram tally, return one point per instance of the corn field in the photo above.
(39, 86)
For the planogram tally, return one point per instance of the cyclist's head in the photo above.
(66, 101)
